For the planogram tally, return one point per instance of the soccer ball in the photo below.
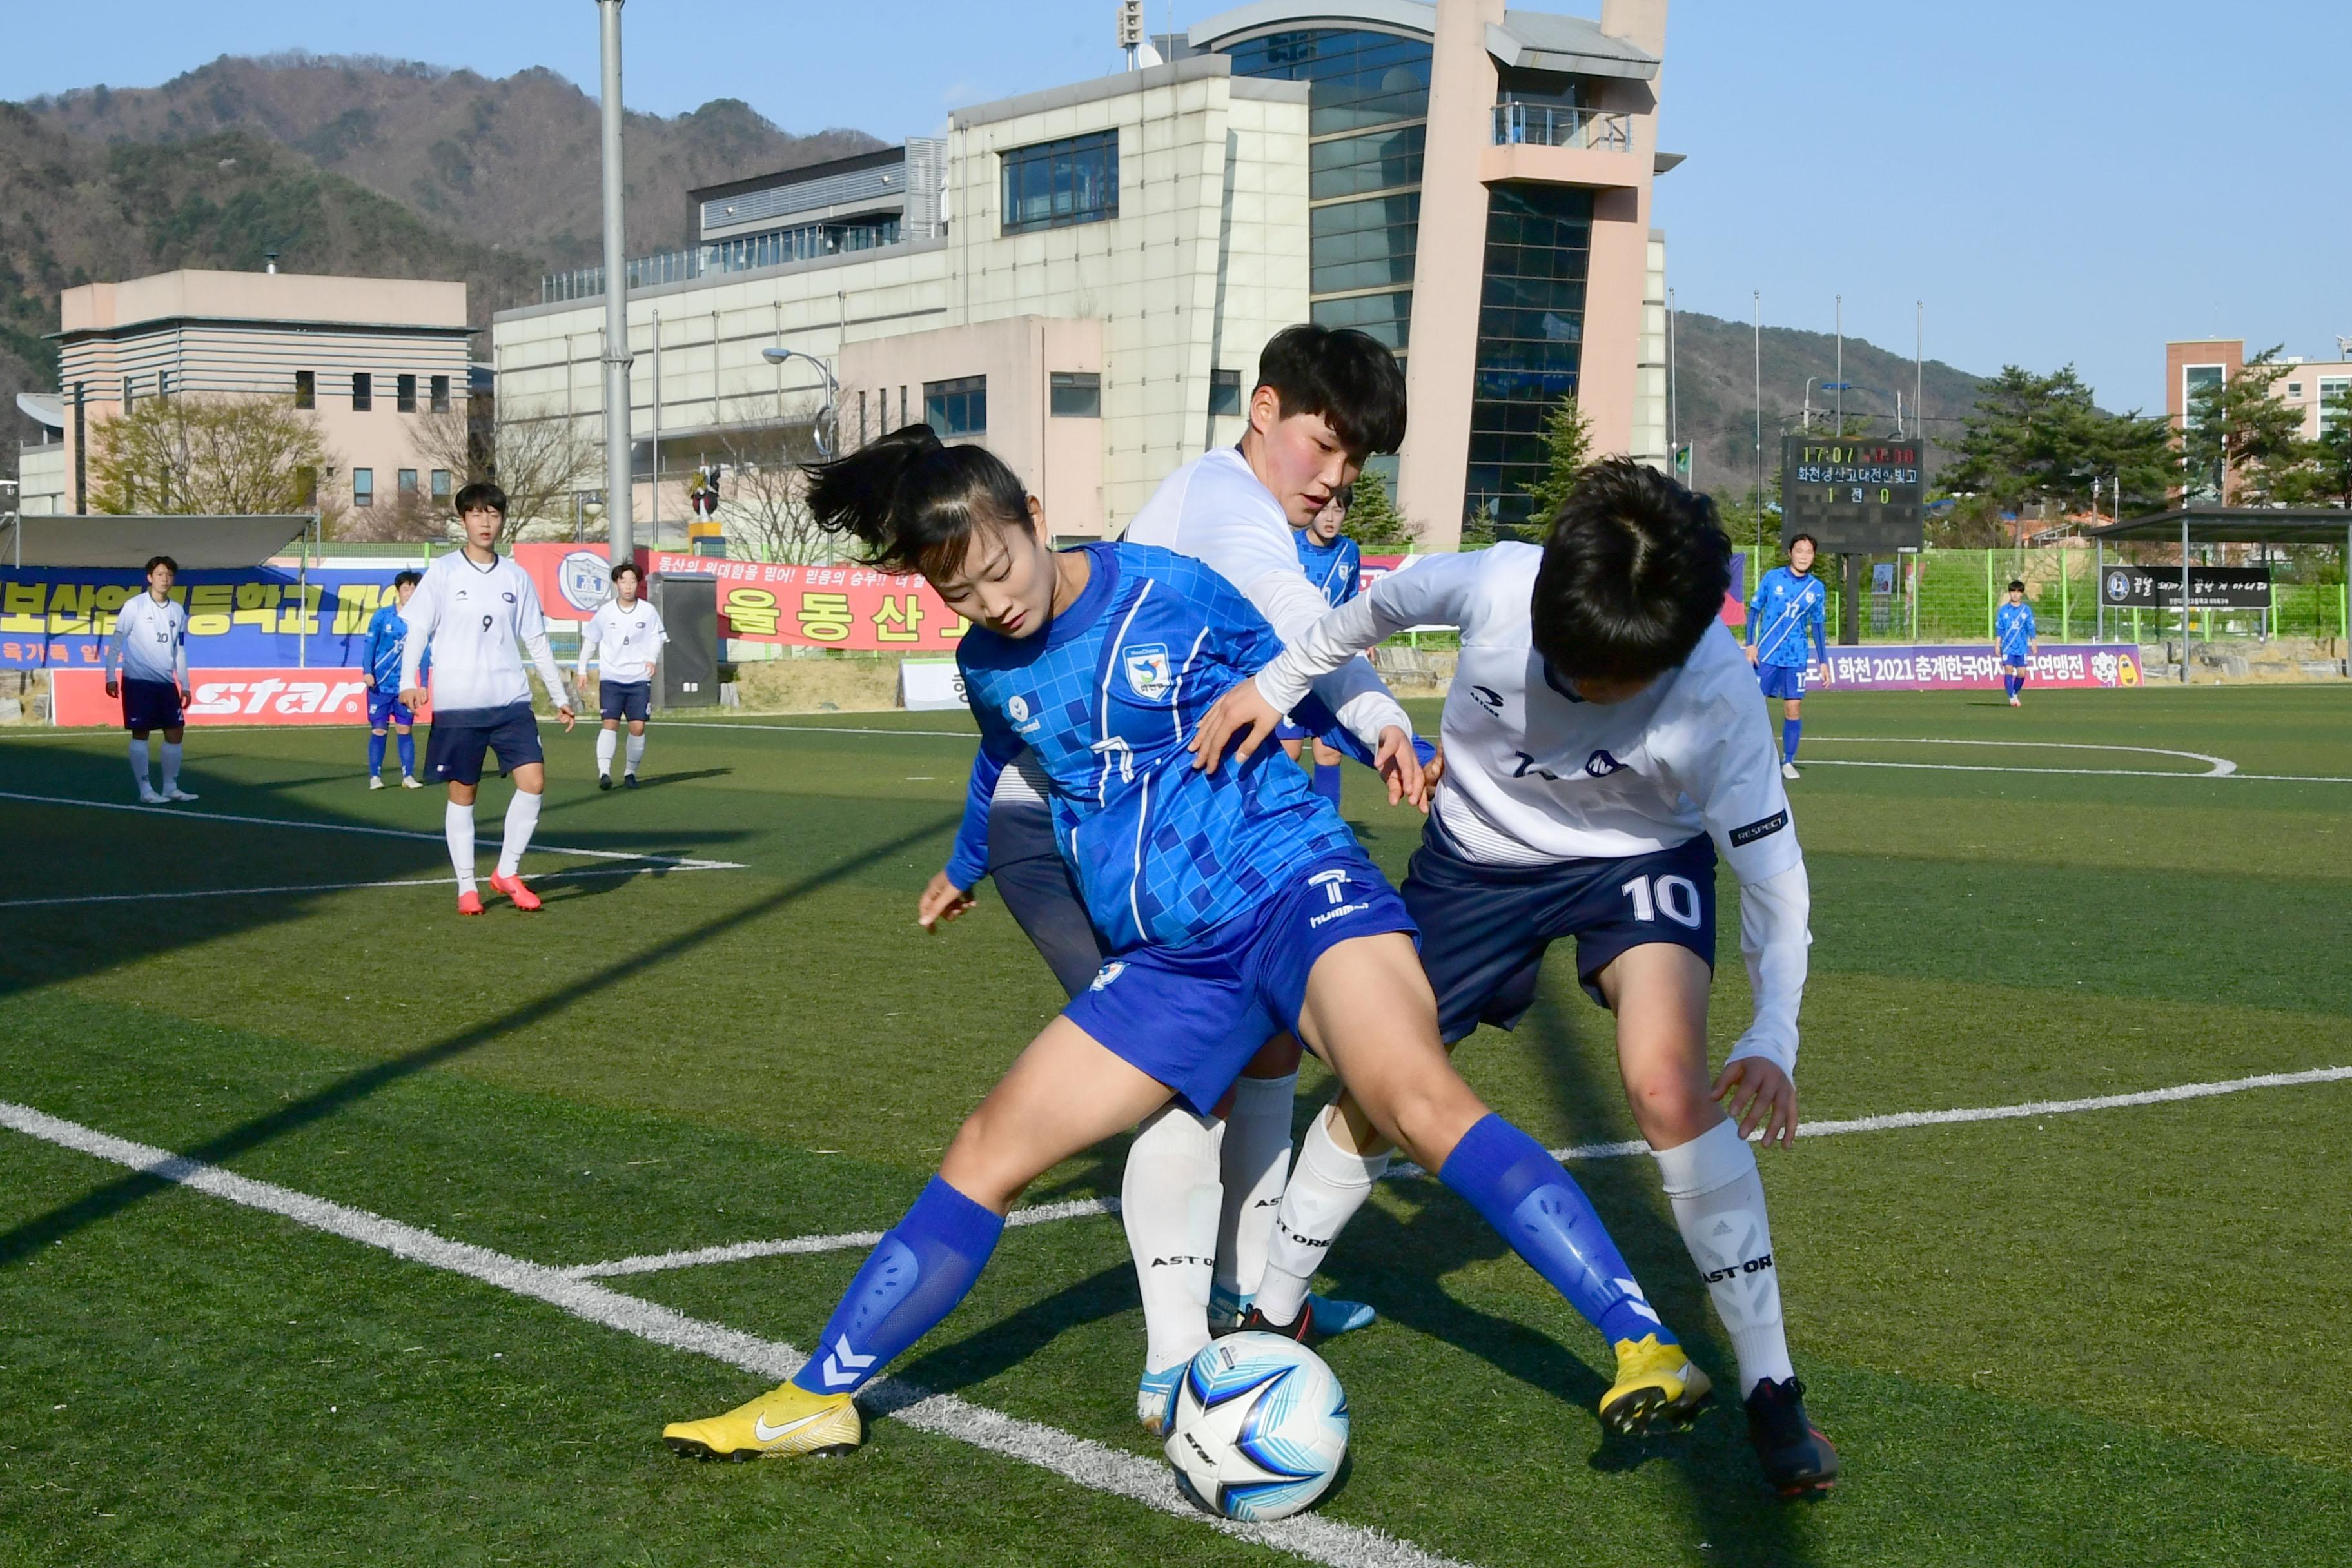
(1260, 1428)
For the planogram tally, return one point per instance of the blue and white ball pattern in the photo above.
(1260, 1428)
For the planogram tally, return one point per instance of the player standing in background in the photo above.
(149, 653)
(476, 614)
(385, 634)
(1789, 606)
(2014, 633)
(1600, 744)
(1335, 566)
(626, 635)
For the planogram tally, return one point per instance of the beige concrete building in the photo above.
(368, 356)
(2309, 387)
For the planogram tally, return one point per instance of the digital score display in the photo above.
(1860, 496)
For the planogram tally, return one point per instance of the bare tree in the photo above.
(539, 459)
(763, 496)
(216, 456)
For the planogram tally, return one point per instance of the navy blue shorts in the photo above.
(2014, 660)
(386, 708)
(1484, 928)
(1781, 680)
(1193, 1016)
(629, 699)
(459, 736)
(151, 705)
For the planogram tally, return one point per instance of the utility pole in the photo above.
(619, 539)
(1759, 566)
(1841, 366)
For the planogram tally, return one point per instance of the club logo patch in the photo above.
(1110, 971)
(1487, 698)
(1755, 830)
(1147, 673)
(584, 580)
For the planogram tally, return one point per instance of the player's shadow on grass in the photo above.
(1014, 1339)
(28, 1239)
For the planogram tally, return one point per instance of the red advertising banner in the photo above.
(77, 697)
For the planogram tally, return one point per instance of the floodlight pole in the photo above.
(619, 539)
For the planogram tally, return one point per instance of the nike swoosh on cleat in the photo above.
(767, 1434)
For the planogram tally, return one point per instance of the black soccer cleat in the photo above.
(603, 781)
(1301, 1328)
(1798, 1461)
(630, 780)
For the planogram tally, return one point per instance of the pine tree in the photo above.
(1568, 447)
(1372, 519)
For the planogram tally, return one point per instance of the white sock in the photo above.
(1718, 1201)
(605, 740)
(522, 815)
(458, 826)
(139, 766)
(170, 766)
(1168, 1201)
(1257, 1162)
(636, 752)
(1329, 1185)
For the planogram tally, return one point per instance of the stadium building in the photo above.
(1083, 277)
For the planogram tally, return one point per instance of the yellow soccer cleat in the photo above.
(1657, 1389)
(787, 1419)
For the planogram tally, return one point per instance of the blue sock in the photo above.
(1327, 783)
(1537, 1207)
(917, 1276)
(375, 752)
(2010, 683)
(408, 754)
(1791, 732)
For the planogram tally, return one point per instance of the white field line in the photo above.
(814, 729)
(345, 886)
(2216, 767)
(682, 862)
(1095, 1466)
(1042, 1213)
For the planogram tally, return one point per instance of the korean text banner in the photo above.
(259, 618)
(269, 696)
(1966, 668)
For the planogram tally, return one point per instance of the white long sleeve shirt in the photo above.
(150, 640)
(626, 643)
(479, 621)
(1215, 511)
(1534, 774)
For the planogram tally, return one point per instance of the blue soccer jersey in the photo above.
(2014, 629)
(1786, 612)
(386, 631)
(1106, 698)
(1335, 569)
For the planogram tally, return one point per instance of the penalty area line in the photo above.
(347, 887)
(1095, 1466)
(1046, 1214)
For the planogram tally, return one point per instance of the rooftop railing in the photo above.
(1563, 125)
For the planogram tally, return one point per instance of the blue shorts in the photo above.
(624, 699)
(386, 708)
(1193, 1016)
(1781, 680)
(1484, 928)
(2013, 660)
(1287, 731)
(151, 705)
(459, 737)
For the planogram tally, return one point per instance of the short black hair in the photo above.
(1634, 570)
(479, 494)
(406, 579)
(631, 568)
(1345, 375)
(2015, 587)
(163, 561)
(912, 502)
(1795, 540)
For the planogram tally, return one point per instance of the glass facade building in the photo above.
(1530, 337)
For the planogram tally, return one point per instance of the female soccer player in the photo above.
(1236, 904)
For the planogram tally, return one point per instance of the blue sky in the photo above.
(2061, 180)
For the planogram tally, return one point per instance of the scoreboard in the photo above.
(1858, 495)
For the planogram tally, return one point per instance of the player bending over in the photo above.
(1601, 743)
(385, 634)
(2014, 631)
(147, 667)
(1788, 606)
(475, 614)
(1237, 905)
(626, 636)
(1335, 566)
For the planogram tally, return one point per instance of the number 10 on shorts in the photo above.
(1676, 897)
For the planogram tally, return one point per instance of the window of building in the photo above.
(363, 486)
(862, 437)
(440, 394)
(1055, 183)
(363, 392)
(1358, 165)
(1386, 317)
(2334, 402)
(2295, 389)
(1362, 244)
(306, 389)
(1530, 337)
(406, 480)
(162, 384)
(1075, 394)
(130, 392)
(958, 407)
(441, 485)
(405, 394)
(1225, 392)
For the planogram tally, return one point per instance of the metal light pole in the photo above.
(821, 432)
(619, 539)
(1841, 367)
(1759, 566)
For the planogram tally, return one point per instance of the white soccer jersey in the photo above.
(625, 642)
(1534, 775)
(478, 621)
(1215, 511)
(150, 640)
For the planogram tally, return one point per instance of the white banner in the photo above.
(931, 683)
